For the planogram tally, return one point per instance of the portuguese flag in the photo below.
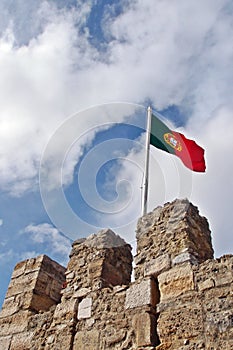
(176, 143)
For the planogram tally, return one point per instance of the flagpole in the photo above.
(146, 175)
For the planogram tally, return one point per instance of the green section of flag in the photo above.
(158, 129)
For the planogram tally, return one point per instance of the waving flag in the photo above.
(160, 136)
(191, 154)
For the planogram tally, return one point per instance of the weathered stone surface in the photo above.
(145, 329)
(176, 281)
(102, 259)
(184, 257)
(87, 340)
(66, 310)
(179, 322)
(14, 324)
(84, 308)
(176, 229)
(81, 292)
(155, 266)
(21, 341)
(36, 289)
(141, 294)
(207, 284)
(5, 342)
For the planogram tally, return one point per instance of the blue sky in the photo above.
(76, 78)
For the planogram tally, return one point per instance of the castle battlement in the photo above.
(181, 297)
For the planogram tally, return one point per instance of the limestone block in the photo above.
(142, 294)
(50, 339)
(90, 322)
(224, 278)
(9, 311)
(22, 341)
(145, 329)
(87, 340)
(207, 284)
(10, 307)
(63, 340)
(184, 257)
(19, 269)
(176, 281)
(16, 323)
(22, 284)
(115, 338)
(84, 308)
(95, 269)
(82, 292)
(67, 309)
(156, 266)
(41, 302)
(5, 342)
(70, 275)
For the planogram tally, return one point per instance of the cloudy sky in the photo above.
(76, 77)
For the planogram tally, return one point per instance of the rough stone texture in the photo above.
(35, 285)
(176, 281)
(176, 230)
(142, 294)
(101, 260)
(155, 266)
(182, 298)
(145, 328)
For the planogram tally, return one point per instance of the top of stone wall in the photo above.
(171, 235)
(177, 211)
(105, 238)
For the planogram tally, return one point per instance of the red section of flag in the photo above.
(191, 154)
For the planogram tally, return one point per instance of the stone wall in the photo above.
(181, 297)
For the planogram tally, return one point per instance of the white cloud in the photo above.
(172, 58)
(7, 256)
(1, 222)
(49, 236)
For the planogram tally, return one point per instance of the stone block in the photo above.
(84, 308)
(41, 302)
(184, 257)
(207, 284)
(176, 281)
(87, 340)
(223, 278)
(144, 325)
(63, 339)
(95, 269)
(10, 307)
(155, 266)
(22, 341)
(19, 269)
(67, 309)
(5, 342)
(82, 292)
(112, 340)
(142, 294)
(9, 311)
(22, 284)
(14, 324)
